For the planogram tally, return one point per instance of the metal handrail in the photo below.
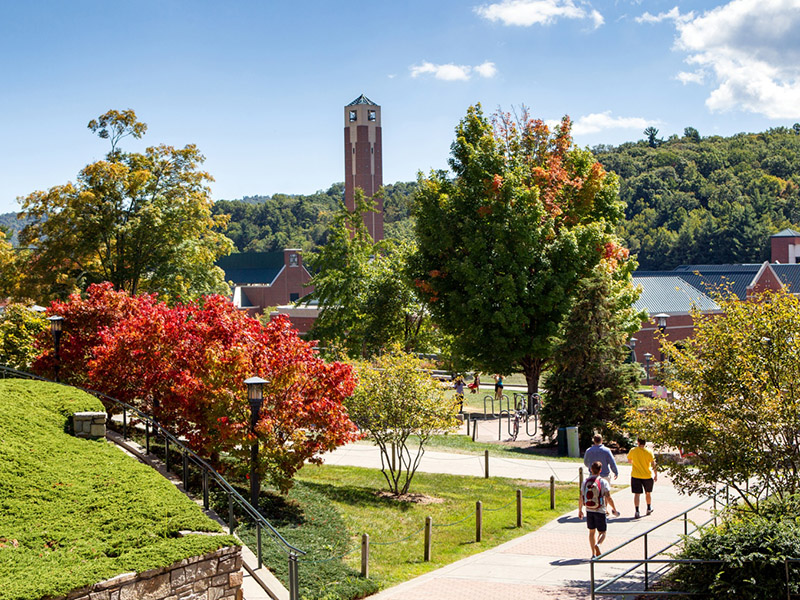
(651, 558)
(233, 495)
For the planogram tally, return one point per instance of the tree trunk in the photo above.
(532, 368)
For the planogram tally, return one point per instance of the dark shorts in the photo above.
(641, 485)
(596, 520)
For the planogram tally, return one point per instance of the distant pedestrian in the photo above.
(599, 452)
(643, 475)
(476, 383)
(458, 384)
(498, 387)
(596, 498)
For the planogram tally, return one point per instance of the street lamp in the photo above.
(647, 358)
(632, 346)
(661, 321)
(56, 324)
(255, 396)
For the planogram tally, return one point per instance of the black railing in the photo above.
(153, 429)
(651, 558)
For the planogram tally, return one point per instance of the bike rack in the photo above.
(490, 398)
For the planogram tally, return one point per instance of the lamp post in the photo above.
(661, 322)
(56, 324)
(632, 346)
(255, 396)
(647, 358)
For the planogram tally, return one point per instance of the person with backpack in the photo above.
(596, 498)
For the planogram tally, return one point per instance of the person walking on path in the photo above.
(459, 387)
(498, 388)
(596, 498)
(643, 475)
(598, 452)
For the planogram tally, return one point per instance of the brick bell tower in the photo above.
(363, 166)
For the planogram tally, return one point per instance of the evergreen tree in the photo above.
(592, 380)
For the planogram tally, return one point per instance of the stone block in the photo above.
(203, 570)
(98, 430)
(115, 581)
(228, 565)
(178, 577)
(235, 579)
(103, 595)
(220, 579)
(215, 592)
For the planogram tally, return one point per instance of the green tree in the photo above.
(652, 140)
(139, 220)
(592, 380)
(19, 328)
(736, 409)
(366, 303)
(9, 268)
(503, 244)
(400, 407)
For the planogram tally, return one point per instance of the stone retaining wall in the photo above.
(214, 576)
(89, 424)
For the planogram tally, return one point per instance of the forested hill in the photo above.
(264, 223)
(713, 200)
(689, 199)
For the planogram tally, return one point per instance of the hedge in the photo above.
(75, 511)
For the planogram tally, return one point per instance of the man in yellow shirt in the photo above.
(643, 475)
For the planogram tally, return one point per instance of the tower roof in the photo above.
(362, 99)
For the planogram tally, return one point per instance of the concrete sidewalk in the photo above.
(551, 562)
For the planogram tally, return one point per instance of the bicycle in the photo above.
(520, 414)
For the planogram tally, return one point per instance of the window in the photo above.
(353, 116)
(294, 297)
(293, 260)
(371, 115)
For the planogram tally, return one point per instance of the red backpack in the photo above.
(593, 493)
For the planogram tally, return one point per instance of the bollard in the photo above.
(474, 429)
(467, 419)
(552, 492)
(478, 520)
(519, 508)
(428, 532)
(486, 460)
(365, 555)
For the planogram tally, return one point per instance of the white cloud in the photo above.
(750, 50)
(671, 15)
(451, 72)
(596, 122)
(525, 13)
(691, 77)
(486, 69)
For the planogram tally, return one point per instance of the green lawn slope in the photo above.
(73, 511)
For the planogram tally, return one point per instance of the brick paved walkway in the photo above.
(551, 562)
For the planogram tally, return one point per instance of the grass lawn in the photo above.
(74, 511)
(463, 444)
(352, 491)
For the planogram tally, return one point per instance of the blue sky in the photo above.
(260, 86)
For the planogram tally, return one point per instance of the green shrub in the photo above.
(753, 549)
(74, 511)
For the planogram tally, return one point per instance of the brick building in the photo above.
(674, 294)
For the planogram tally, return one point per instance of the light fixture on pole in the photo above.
(647, 358)
(255, 396)
(661, 321)
(632, 346)
(56, 325)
